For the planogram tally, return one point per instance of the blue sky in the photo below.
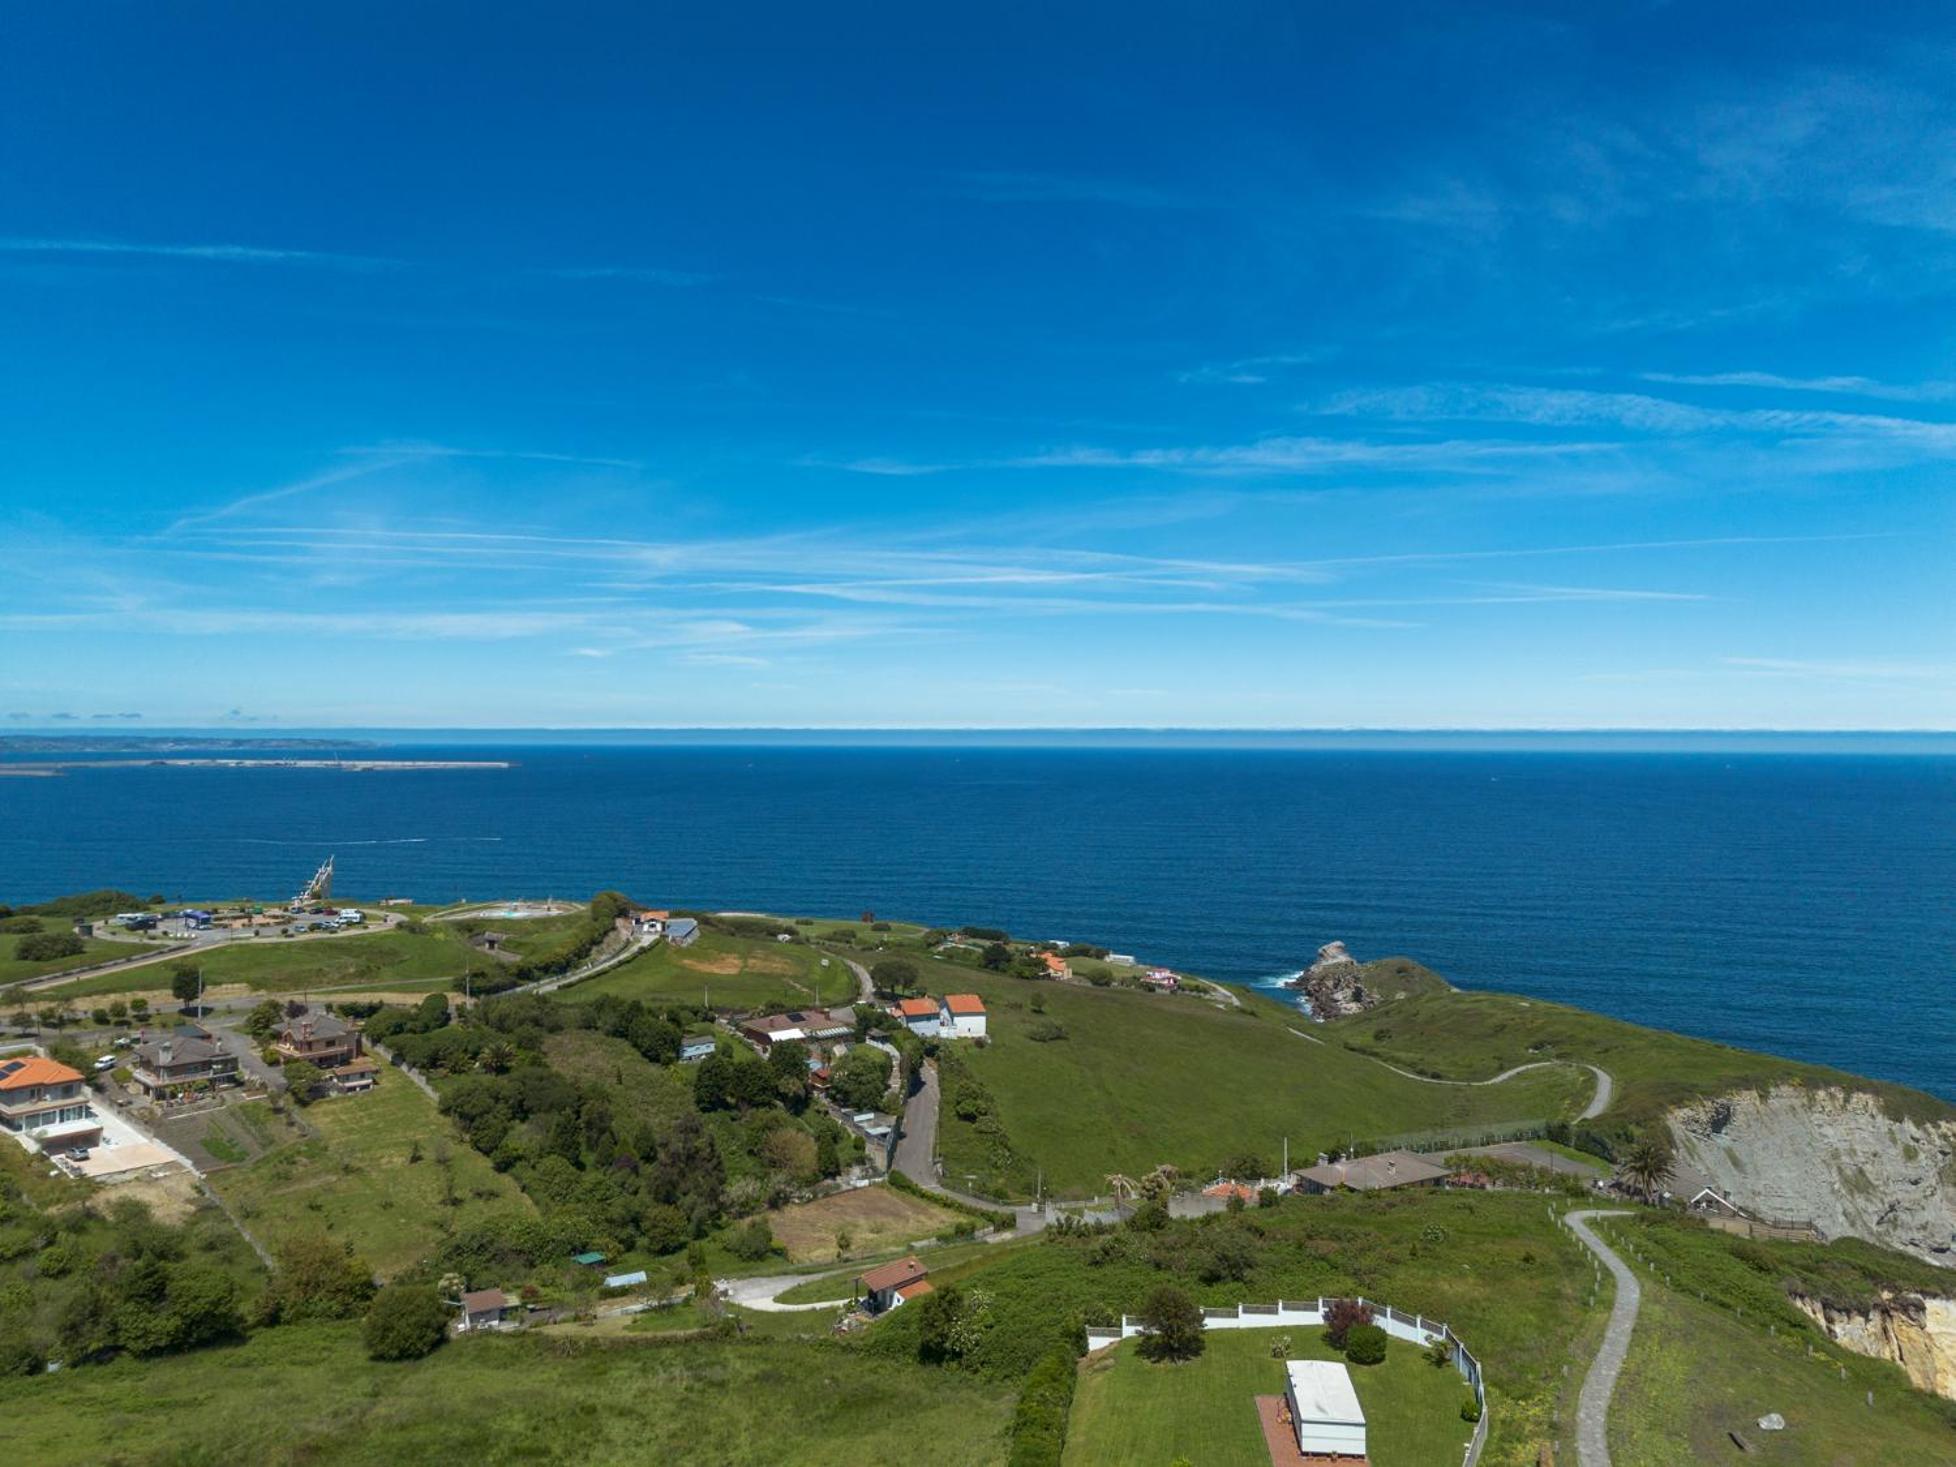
(1231, 366)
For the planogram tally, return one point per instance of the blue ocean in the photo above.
(1802, 902)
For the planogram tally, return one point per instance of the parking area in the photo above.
(124, 1148)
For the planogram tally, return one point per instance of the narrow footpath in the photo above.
(1598, 1103)
(1593, 1407)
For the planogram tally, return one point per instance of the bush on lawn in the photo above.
(1365, 1344)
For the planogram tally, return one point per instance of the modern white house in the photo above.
(961, 1016)
(1324, 1408)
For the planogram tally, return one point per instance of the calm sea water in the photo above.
(1799, 903)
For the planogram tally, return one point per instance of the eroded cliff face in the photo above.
(1918, 1334)
(1832, 1158)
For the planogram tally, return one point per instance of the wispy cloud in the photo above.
(1558, 407)
(373, 459)
(215, 253)
(1843, 386)
(1250, 371)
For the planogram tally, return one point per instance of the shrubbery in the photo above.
(1039, 1422)
(1365, 1344)
(405, 1322)
(43, 947)
(1174, 1325)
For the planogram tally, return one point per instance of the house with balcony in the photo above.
(180, 1060)
(318, 1038)
(45, 1104)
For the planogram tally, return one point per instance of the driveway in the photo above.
(759, 1293)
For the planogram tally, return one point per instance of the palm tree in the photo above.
(498, 1057)
(1159, 1184)
(1121, 1186)
(1647, 1166)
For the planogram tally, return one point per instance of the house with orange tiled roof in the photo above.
(45, 1103)
(918, 1015)
(893, 1284)
(1056, 966)
(961, 1016)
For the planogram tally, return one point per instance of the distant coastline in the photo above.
(1915, 742)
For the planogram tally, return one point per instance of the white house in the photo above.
(893, 1284)
(961, 1016)
(918, 1015)
(1325, 1409)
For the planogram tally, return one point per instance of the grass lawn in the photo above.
(877, 1218)
(289, 965)
(94, 950)
(1144, 1078)
(308, 1394)
(1472, 1036)
(735, 972)
(1128, 1410)
(1696, 1373)
(355, 1182)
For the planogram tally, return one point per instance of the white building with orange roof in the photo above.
(918, 1015)
(44, 1104)
(961, 1016)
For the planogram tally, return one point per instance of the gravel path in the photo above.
(760, 1293)
(1593, 1407)
(1598, 1103)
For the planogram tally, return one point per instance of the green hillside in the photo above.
(1139, 1079)
(1471, 1036)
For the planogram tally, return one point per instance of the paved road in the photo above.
(865, 989)
(1593, 1407)
(916, 1146)
(195, 947)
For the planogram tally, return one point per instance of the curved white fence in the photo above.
(1413, 1328)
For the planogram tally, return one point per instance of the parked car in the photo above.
(106, 1062)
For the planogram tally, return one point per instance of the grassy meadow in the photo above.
(1471, 1036)
(290, 965)
(308, 1394)
(736, 972)
(1142, 1078)
(1126, 1409)
(14, 969)
(355, 1180)
(876, 1218)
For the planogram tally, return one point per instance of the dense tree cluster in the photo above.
(604, 1179)
(44, 947)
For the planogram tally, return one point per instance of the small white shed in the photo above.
(1325, 1408)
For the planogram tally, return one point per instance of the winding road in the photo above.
(1598, 1103)
(1593, 1407)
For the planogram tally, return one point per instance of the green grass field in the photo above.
(1143, 1078)
(308, 1394)
(355, 1181)
(735, 972)
(1696, 1373)
(1128, 1410)
(1472, 1036)
(94, 950)
(291, 965)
